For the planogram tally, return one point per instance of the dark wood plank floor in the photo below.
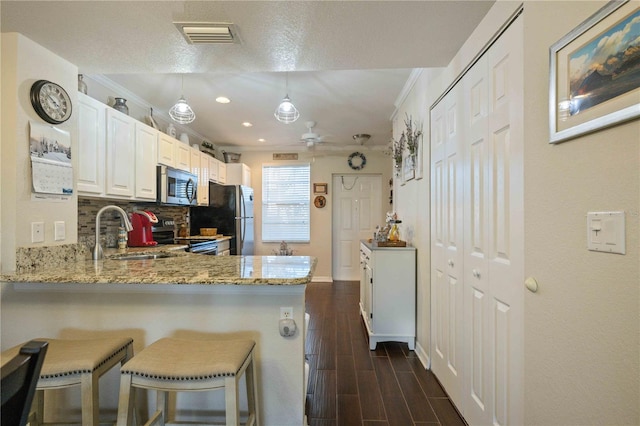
(351, 385)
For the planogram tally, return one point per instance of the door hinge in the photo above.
(371, 315)
(371, 280)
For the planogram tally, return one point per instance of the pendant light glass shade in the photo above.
(181, 112)
(286, 111)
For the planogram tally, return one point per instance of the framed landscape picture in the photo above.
(595, 73)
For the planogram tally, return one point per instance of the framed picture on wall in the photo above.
(594, 77)
(408, 168)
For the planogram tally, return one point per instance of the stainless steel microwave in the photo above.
(177, 187)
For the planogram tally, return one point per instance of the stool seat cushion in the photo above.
(179, 359)
(67, 357)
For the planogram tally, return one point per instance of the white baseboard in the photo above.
(316, 279)
(423, 356)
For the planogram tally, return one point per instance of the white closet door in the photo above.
(506, 225)
(477, 237)
(478, 378)
(447, 297)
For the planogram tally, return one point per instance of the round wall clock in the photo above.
(50, 101)
(357, 160)
(320, 201)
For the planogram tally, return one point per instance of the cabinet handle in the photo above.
(450, 262)
(476, 273)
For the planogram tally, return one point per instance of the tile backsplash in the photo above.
(110, 220)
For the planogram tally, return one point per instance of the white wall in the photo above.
(24, 62)
(324, 164)
(582, 329)
(412, 200)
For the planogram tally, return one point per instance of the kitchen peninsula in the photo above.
(182, 295)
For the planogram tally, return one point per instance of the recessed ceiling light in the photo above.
(223, 100)
(262, 140)
(247, 124)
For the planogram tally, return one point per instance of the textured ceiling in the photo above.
(347, 61)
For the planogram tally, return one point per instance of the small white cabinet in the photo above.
(182, 156)
(146, 160)
(222, 172)
(91, 149)
(388, 293)
(167, 150)
(120, 155)
(238, 174)
(217, 171)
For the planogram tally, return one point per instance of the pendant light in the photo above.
(181, 112)
(286, 111)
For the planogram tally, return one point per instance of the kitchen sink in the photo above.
(144, 256)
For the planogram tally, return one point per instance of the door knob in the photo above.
(450, 262)
(476, 273)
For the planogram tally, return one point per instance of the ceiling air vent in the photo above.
(208, 32)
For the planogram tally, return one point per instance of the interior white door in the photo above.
(488, 385)
(356, 211)
(505, 255)
(447, 250)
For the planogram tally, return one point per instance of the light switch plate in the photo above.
(606, 232)
(59, 230)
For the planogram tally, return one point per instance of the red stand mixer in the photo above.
(142, 236)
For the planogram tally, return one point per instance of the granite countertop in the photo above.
(179, 268)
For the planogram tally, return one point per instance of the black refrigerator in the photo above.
(231, 211)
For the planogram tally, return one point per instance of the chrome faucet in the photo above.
(97, 249)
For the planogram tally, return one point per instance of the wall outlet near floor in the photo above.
(286, 313)
(37, 232)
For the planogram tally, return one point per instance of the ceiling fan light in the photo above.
(286, 111)
(181, 112)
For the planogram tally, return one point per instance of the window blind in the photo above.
(286, 202)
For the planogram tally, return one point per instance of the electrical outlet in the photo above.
(37, 232)
(286, 313)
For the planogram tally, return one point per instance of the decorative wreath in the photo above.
(362, 158)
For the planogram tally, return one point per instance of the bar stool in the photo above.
(77, 362)
(180, 365)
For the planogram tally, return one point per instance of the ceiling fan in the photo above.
(310, 137)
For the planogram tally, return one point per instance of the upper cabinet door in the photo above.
(146, 156)
(91, 146)
(167, 150)
(183, 156)
(213, 169)
(222, 172)
(120, 142)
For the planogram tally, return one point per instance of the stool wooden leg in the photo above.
(161, 406)
(231, 401)
(126, 401)
(36, 417)
(252, 392)
(89, 391)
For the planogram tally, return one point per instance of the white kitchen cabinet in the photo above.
(238, 174)
(213, 169)
(388, 293)
(182, 156)
(120, 155)
(91, 145)
(222, 172)
(203, 179)
(167, 150)
(146, 161)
